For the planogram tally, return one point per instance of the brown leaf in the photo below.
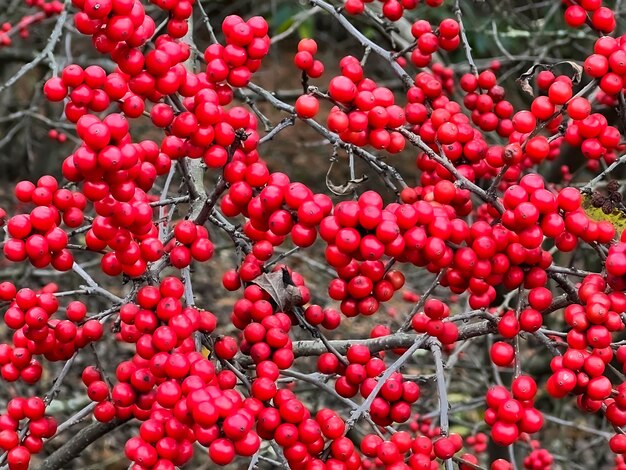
(524, 80)
(285, 295)
(577, 68)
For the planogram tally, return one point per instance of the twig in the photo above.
(386, 171)
(593, 182)
(466, 45)
(316, 333)
(163, 197)
(287, 122)
(50, 45)
(511, 450)
(92, 286)
(365, 406)
(420, 304)
(444, 421)
(267, 266)
(11, 133)
(448, 165)
(254, 460)
(516, 342)
(580, 427)
(76, 418)
(56, 386)
(170, 201)
(207, 23)
(365, 42)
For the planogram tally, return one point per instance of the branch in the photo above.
(207, 23)
(395, 341)
(464, 41)
(444, 421)
(592, 183)
(200, 211)
(386, 171)
(52, 41)
(316, 333)
(77, 444)
(56, 386)
(92, 286)
(565, 284)
(365, 42)
(463, 182)
(287, 122)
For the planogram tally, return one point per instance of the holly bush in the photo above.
(412, 259)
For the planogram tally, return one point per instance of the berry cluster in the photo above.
(87, 90)
(431, 322)
(365, 113)
(608, 64)
(30, 314)
(596, 139)
(477, 442)
(447, 126)
(538, 459)
(37, 236)
(190, 241)
(327, 317)
(428, 42)
(169, 386)
(511, 413)
(29, 413)
(247, 43)
(424, 426)
(115, 176)
(580, 12)
(532, 212)
(396, 396)
(305, 59)
(617, 444)
(490, 110)
(616, 264)
(360, 233)
(114, 22)
(419, 452)
(60, 137)
(275, 208)
(579, 371)
(265, 331)
(481, 218)
(393, 10)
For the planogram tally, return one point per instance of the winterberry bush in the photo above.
(450, 294)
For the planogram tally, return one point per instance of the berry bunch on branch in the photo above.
(458, 301)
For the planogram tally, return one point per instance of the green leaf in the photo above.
(284, 25)
(306, 29)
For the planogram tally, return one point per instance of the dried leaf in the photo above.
(284, 294)
(578, 70)
(524, 80)
(525, 86)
